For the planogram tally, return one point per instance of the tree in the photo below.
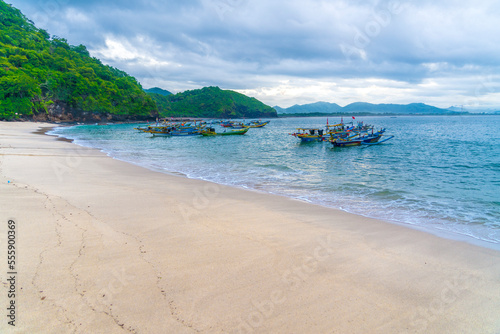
(36, 70)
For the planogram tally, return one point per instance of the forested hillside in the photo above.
(211, 102)
(45, 78)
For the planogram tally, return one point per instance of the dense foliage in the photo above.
(40, 74)
(211, 102)
(37, 71)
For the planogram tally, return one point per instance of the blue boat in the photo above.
(359, 139)
(174, 131)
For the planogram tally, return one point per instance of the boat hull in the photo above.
(257, 125)
(355, 142)
(308, 139)
(228, 133)
(174, 133)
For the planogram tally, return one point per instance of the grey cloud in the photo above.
(245, 44)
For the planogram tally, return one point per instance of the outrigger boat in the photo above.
(257, 124)
(146, 128)
(342, 134)
(309, 134)
(336, 130)
(378, 142)
(318, 134)
(241, 125)
(172, 129)
(359, 139)
(226, 124)
(236, 125)
(211, 132)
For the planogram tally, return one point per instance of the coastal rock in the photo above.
(60, 112)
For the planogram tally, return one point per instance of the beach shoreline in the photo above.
(108, 246)
(477, 239)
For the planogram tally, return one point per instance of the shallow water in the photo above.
(439, 173)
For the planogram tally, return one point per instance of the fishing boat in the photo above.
(145, 128)
(211, 132)
(330, 132)
(309, 134)
(257, 124)
(359, 139)
(378, 142)
(168, 129)
(229, 124)
(336, 130)
(237, 125)
(172, 131)
(241, 125)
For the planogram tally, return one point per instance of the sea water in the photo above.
(438, 173)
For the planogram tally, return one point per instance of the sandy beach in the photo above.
(103, 246)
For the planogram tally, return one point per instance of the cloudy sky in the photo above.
(286, 52)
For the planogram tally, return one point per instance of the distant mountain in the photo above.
(279, 110)
(363, 107)
(157, 90)
(455, 108)
(412, 108)
(317, 107)
(211, 102)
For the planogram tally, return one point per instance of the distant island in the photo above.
(363, 108)
(43, 78)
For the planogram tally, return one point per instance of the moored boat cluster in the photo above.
(343, 134)
(195, 128)
(339, 135)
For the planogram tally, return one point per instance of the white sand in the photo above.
(109, 247)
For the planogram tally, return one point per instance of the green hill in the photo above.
(211, 102)
(157, 90)
(45, 78)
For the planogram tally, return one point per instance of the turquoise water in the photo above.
(439, 173)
